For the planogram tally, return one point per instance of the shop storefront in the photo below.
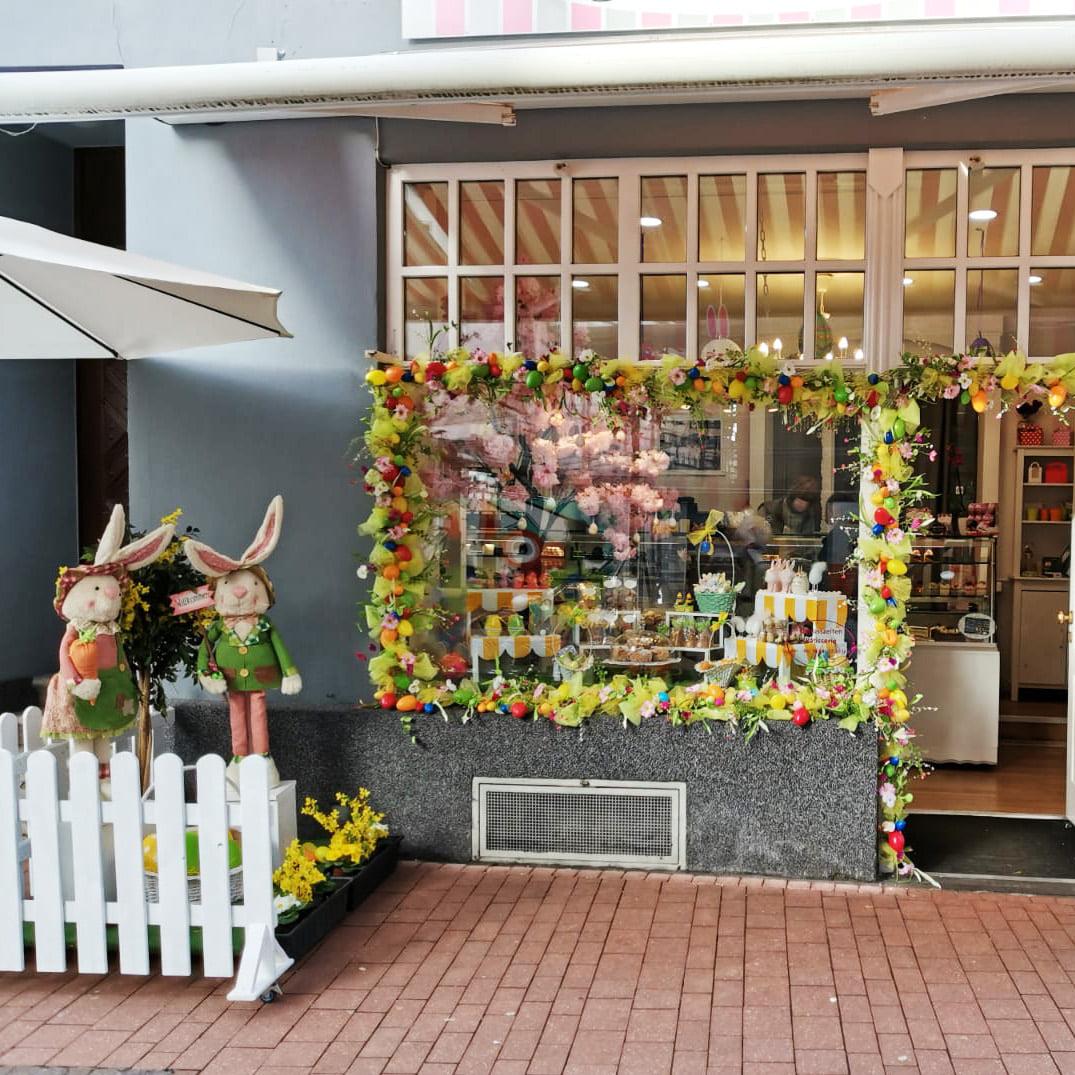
(656, 564)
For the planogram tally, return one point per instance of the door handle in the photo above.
(1064, 617)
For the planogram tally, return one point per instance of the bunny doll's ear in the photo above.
(207, 561)
(111, 538)
(268, 535)
(711, 322)
(145, 550)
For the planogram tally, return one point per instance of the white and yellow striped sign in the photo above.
(824, 606)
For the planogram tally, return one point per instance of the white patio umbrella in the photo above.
(66, 298)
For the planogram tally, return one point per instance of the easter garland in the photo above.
(402, 526)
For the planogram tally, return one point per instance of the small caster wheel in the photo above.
(271, 994)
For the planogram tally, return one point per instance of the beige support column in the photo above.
(883, 296)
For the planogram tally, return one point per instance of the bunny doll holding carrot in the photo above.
(243, 654)
(93, 699)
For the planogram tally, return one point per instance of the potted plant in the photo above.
(308, 903)
(359, 846)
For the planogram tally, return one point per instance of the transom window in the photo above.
(631, 258)
(989, 252)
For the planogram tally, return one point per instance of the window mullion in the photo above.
(1022, 301)
(453, 262)
(691, 346)
(630, 283)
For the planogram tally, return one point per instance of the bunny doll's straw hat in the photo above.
(214, 565)
(111, 559)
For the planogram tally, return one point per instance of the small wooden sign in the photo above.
(192, 600)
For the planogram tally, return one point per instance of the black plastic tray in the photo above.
(298, 937)
(380, 865)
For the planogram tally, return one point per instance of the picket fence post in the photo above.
(78, 843)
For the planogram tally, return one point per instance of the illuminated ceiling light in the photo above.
(1033, 279)
(650, 221)
(842, 343)
(703, 283)
(828, 356)
(580, 285)
(763, 347)
(859, 354)
(982, 214)
(907, 281)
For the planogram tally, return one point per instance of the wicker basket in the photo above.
(714, 602)
(194, 887)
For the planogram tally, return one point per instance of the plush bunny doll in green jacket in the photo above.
(243, 654)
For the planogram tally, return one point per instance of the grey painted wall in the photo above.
(38, 480)
(219, 431)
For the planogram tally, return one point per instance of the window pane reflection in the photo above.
(841, 216)
(537, 314)
(425, 224)
(537, 221)
(993, 190)
(780, 310)
(595, 225)
(992, 301)
(1052, 211)
(595, 314)
(722, 215)
(838, 318)
(928, 318)
(425, 312)
(930, 226)
(1052, 312)
(664, 316)
(481, 312)
(663, 219)
(481, 223)
(721, 309)
(781, 217)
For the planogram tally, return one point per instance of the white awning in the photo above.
(941, 62)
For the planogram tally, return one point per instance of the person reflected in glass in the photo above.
(799, 511)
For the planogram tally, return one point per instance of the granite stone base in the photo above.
(792, 802)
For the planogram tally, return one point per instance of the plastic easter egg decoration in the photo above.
(889, 438)
(897, 567)
(1009, 382)
(580, 371)
(593, 384)
(534, 380)
(429, 707)
(901, 825)
(890, 503)
(519, 710)
(877, 529)
(964, 397)
(896, 841)
(388, 700)
(899, 428)
(979, 401)
(375, 378)
(873, 378)
(705, 547)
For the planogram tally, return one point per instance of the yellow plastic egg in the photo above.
(400, 503)
(1057, 394)
(778, 701)
(1009, 381)
(405, 628)
(375, 378)
(897, 567)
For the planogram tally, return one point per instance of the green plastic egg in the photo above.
(580, 371)
(594, 384)
(534, 379)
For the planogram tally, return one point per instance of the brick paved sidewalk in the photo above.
(465, 969)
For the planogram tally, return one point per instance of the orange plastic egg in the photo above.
(407, 703)
(393, 374)
(390, 572)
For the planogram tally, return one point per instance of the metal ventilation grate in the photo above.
(573, 822)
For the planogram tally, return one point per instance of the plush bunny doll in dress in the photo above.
(92, 699)
(242, 654)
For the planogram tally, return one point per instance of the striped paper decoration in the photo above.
(506, 18)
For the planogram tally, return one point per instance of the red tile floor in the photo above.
(467, 969)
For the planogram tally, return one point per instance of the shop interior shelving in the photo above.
(951, 577)
(1044, 538)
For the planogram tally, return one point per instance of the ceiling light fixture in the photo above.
(1033, 279)
(703, 283)
(650, 221)
(982, 214)
(580, 285)
(907, 281)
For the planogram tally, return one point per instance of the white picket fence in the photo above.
(85, 867)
